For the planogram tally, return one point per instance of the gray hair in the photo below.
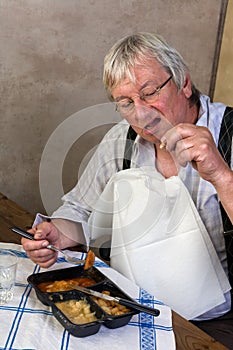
(137, 49)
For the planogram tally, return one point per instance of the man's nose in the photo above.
(139, 101)
(142, 109)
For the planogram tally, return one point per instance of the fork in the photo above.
(67, 257)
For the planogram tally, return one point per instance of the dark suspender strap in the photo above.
(224, 147)
(131, 136)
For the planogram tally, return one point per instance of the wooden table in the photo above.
(187, 335)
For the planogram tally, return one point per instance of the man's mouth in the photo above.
(152, 127)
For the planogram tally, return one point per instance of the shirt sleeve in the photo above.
(106, 161)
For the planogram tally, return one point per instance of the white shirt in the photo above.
(107, 160)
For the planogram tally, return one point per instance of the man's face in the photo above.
(168, 108)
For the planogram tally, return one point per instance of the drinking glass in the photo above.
(8, 265)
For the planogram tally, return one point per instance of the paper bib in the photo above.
(159, 240)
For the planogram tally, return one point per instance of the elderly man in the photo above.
(176, 133)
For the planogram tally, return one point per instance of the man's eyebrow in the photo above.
(147, 83)
(119, 98)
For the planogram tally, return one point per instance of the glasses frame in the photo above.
(142, 97)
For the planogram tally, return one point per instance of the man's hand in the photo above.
(44, 234)
(195, 144)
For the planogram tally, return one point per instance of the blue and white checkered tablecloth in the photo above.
(27, 324)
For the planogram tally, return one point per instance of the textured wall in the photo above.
(51, 54)
(224, 82)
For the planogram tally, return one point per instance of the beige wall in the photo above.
(224, 81)
(51, 54)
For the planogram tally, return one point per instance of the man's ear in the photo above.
(187, 88)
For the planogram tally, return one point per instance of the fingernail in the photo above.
(163, 144)
(38, 234)
(44, 244)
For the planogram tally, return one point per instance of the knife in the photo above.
(23, 233)
(131, 304)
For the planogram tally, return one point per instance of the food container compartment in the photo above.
(114, 321)
(78, 330)
(102, 284)
(62, 274)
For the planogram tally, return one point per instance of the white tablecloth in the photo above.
(26, 324)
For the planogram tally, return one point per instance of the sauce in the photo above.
(64, 285)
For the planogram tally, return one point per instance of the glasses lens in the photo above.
(125, 107)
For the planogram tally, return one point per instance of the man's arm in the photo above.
(224, 188)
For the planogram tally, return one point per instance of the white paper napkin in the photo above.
(160, 242)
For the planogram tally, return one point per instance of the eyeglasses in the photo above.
(149, 94)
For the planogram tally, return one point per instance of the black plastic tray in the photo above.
(62, 274)
(102, 283)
